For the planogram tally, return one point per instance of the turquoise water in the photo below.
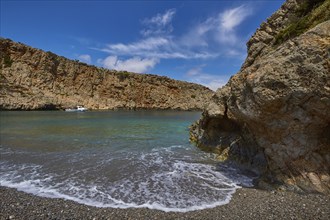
(113, 159)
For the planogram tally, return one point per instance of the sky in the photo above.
(196, 41)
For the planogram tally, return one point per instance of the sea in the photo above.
(118, 159)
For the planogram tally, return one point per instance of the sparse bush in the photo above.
(293, 30)
(307, 6)
(122, 75)
(7, 61)
(51, 54)
(308, 15)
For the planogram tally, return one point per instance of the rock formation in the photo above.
(34, 79)
(273, 116)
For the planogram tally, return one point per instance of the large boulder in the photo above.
(274, 115)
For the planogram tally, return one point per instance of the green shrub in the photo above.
(51, 54)
(7, 61)
(122, 75)
(307, 6)
(308, 15)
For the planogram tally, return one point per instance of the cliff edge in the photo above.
(32, 79)
(273, 116)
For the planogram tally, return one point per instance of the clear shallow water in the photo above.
(117, 159)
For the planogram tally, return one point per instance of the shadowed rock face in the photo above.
(34, 79)
(274, 115)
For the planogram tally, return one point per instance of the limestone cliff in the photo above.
(273, 116)
(34, 79)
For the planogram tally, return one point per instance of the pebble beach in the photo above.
(246, 203)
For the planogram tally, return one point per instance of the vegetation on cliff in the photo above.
(308, 14)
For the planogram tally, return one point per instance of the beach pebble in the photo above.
(247, 203)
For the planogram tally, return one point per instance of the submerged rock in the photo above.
(34, 79)
(273, 116)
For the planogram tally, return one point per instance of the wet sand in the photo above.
(246, 203)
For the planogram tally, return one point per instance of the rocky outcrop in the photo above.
(273, 116)
(34, 79)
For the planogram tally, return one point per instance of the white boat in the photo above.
(78, 109)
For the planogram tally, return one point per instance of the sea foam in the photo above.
(113, 159)
(174, 186)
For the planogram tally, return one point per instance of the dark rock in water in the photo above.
(274, 115)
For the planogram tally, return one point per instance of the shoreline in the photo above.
(246, 203)
(105, 110)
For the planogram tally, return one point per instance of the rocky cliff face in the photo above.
(34, 79)
(273, 116)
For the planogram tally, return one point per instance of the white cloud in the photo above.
(237, 53)
(233, 17)
(194, 71)
(135, 64)
(159, 24)
(85, 58)
(161, 19)
(149, 44)
(197, 35)
(229, 20)
(156, 47)
(220, 28)
(196, 75)
(212, 37)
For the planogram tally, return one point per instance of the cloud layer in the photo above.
(197, 75)
(157, 47)
(135, 64)
(219, 31)
(211, 38)
(159, 24)
(228, 22)
(85, 58)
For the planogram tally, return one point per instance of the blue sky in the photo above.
(196, 41)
